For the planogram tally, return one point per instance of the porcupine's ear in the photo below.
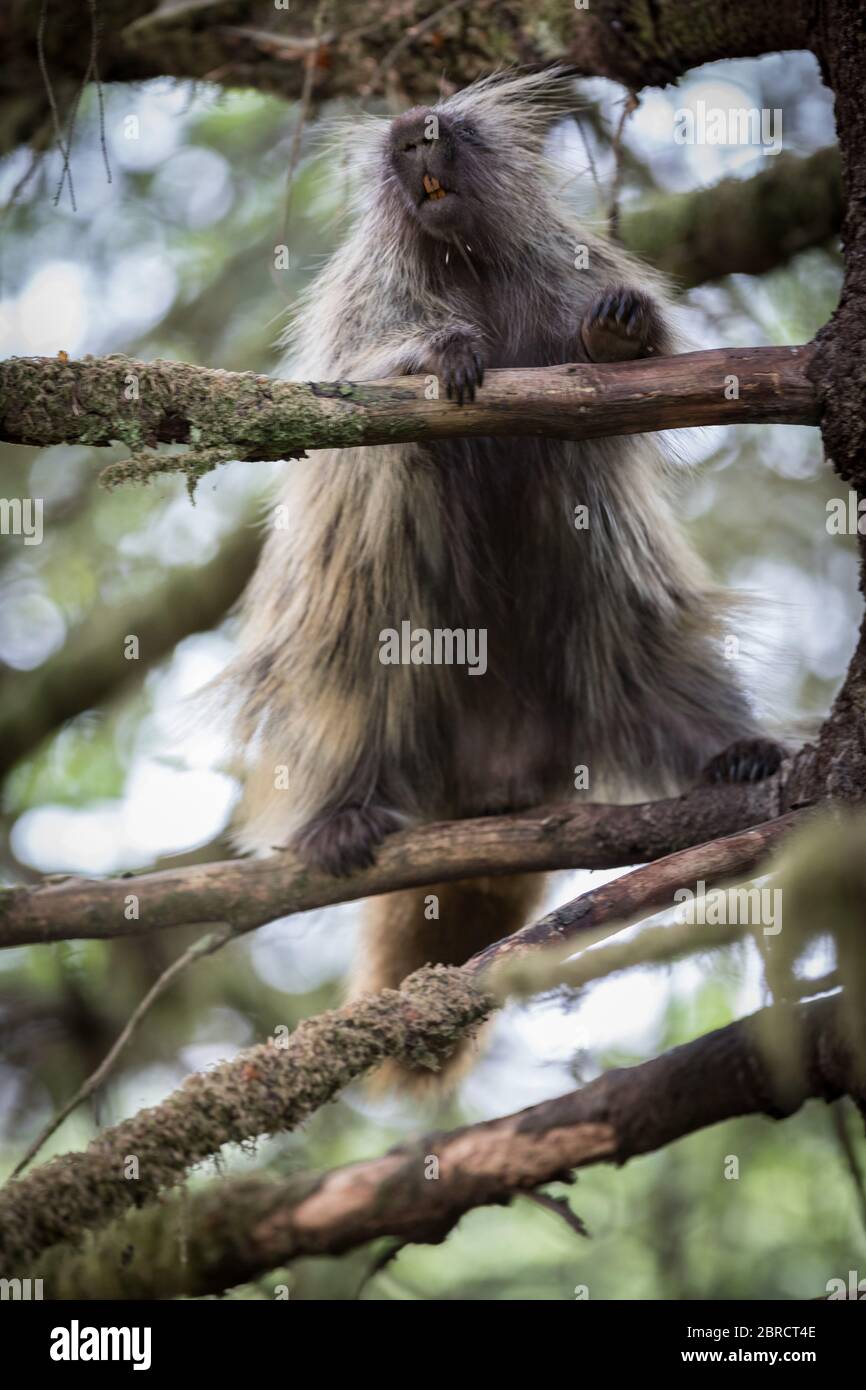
(532, 100)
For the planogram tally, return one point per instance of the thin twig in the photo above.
(839, 1121)
(413, 32)
(205, 946)
(303, 113)
(560, 1207)
(52, 102)
(590, 160)
(630, 104)
(94, 66)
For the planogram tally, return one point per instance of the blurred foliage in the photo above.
(175, 258)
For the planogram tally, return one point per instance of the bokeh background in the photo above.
(174, 258)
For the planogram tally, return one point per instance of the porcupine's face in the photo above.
(442, 168)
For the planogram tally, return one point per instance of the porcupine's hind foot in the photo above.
(747, 760)
(344, 839)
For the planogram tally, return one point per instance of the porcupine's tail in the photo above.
(443, 924)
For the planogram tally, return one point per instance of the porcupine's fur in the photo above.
(602, 642)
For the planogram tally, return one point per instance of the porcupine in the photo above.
(603, 642)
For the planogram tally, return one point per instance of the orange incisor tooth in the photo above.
(432, 187)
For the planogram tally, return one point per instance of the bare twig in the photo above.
(851, 1158)
(560, 1208)
(303, 112)
(100, 96)
(205, 946)
(630, 104)
(52, 102)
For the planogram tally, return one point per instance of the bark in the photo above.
(249, 892)
(243, 1228)
(238, 415)
(838, 368)
(647, 890)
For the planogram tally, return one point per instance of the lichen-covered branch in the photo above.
(238, 415)
(266, 1089)
(236, 1230)
(633, 895)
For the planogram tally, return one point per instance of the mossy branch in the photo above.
(271, 1088)
(222, 416)
(739, 226)
(237, 1230)
(267, 1089)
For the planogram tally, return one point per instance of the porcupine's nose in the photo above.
(421, 139)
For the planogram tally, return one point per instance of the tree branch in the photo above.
(642, 892)
(242, 1228)
(745, 226)
(241, 1098)
(249, 892)
(245, 43)
(228, 415)
(92, 664)
(265, 1090)
(634, 895)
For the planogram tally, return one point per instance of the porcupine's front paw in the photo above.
(458, 360)
(621, 324)
(747, 760)
(342, 840)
